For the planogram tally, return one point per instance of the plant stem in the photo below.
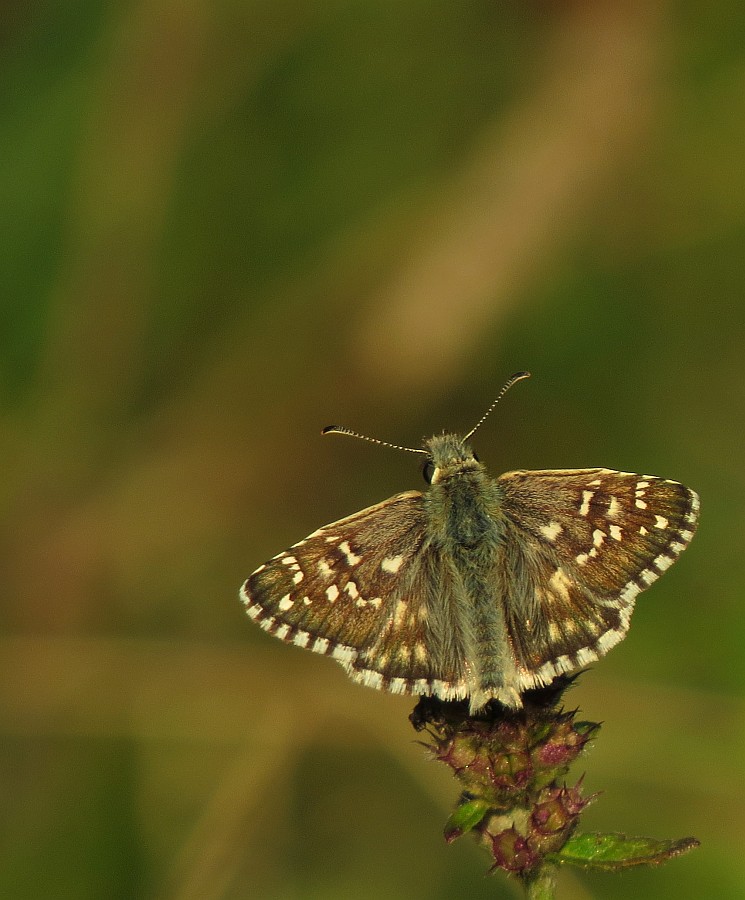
(541, 884)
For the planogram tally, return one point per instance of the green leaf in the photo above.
(609, 852)
(466, 816)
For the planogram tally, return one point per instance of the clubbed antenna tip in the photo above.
(518, 376)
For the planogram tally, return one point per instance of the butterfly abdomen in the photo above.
(466, 525)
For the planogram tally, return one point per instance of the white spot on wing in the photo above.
(610, 639)
(564, 664)
(352, 558)
(551, 531)
(400, 613)
(630, 592)
(560, 584)
(585, 656)
(343, 654)
(663, 562)
(392, 564)
(371, 679)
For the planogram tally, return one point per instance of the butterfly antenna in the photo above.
(340, 429)
(518, 376)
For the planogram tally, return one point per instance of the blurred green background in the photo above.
(227, 224)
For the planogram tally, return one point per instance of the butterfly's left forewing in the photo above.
(580, 546)
(354, 590)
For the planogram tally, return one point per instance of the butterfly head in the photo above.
(448, 456)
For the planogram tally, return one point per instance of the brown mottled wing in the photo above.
(580, 545)
(354, 590)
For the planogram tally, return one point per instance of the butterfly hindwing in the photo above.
(424, 643)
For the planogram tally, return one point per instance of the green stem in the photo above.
(541, 884)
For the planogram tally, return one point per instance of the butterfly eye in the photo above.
(428, 471)
(476, 457)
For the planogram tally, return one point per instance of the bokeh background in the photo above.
(227, 224)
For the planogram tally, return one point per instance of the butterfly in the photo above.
(479, 587)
